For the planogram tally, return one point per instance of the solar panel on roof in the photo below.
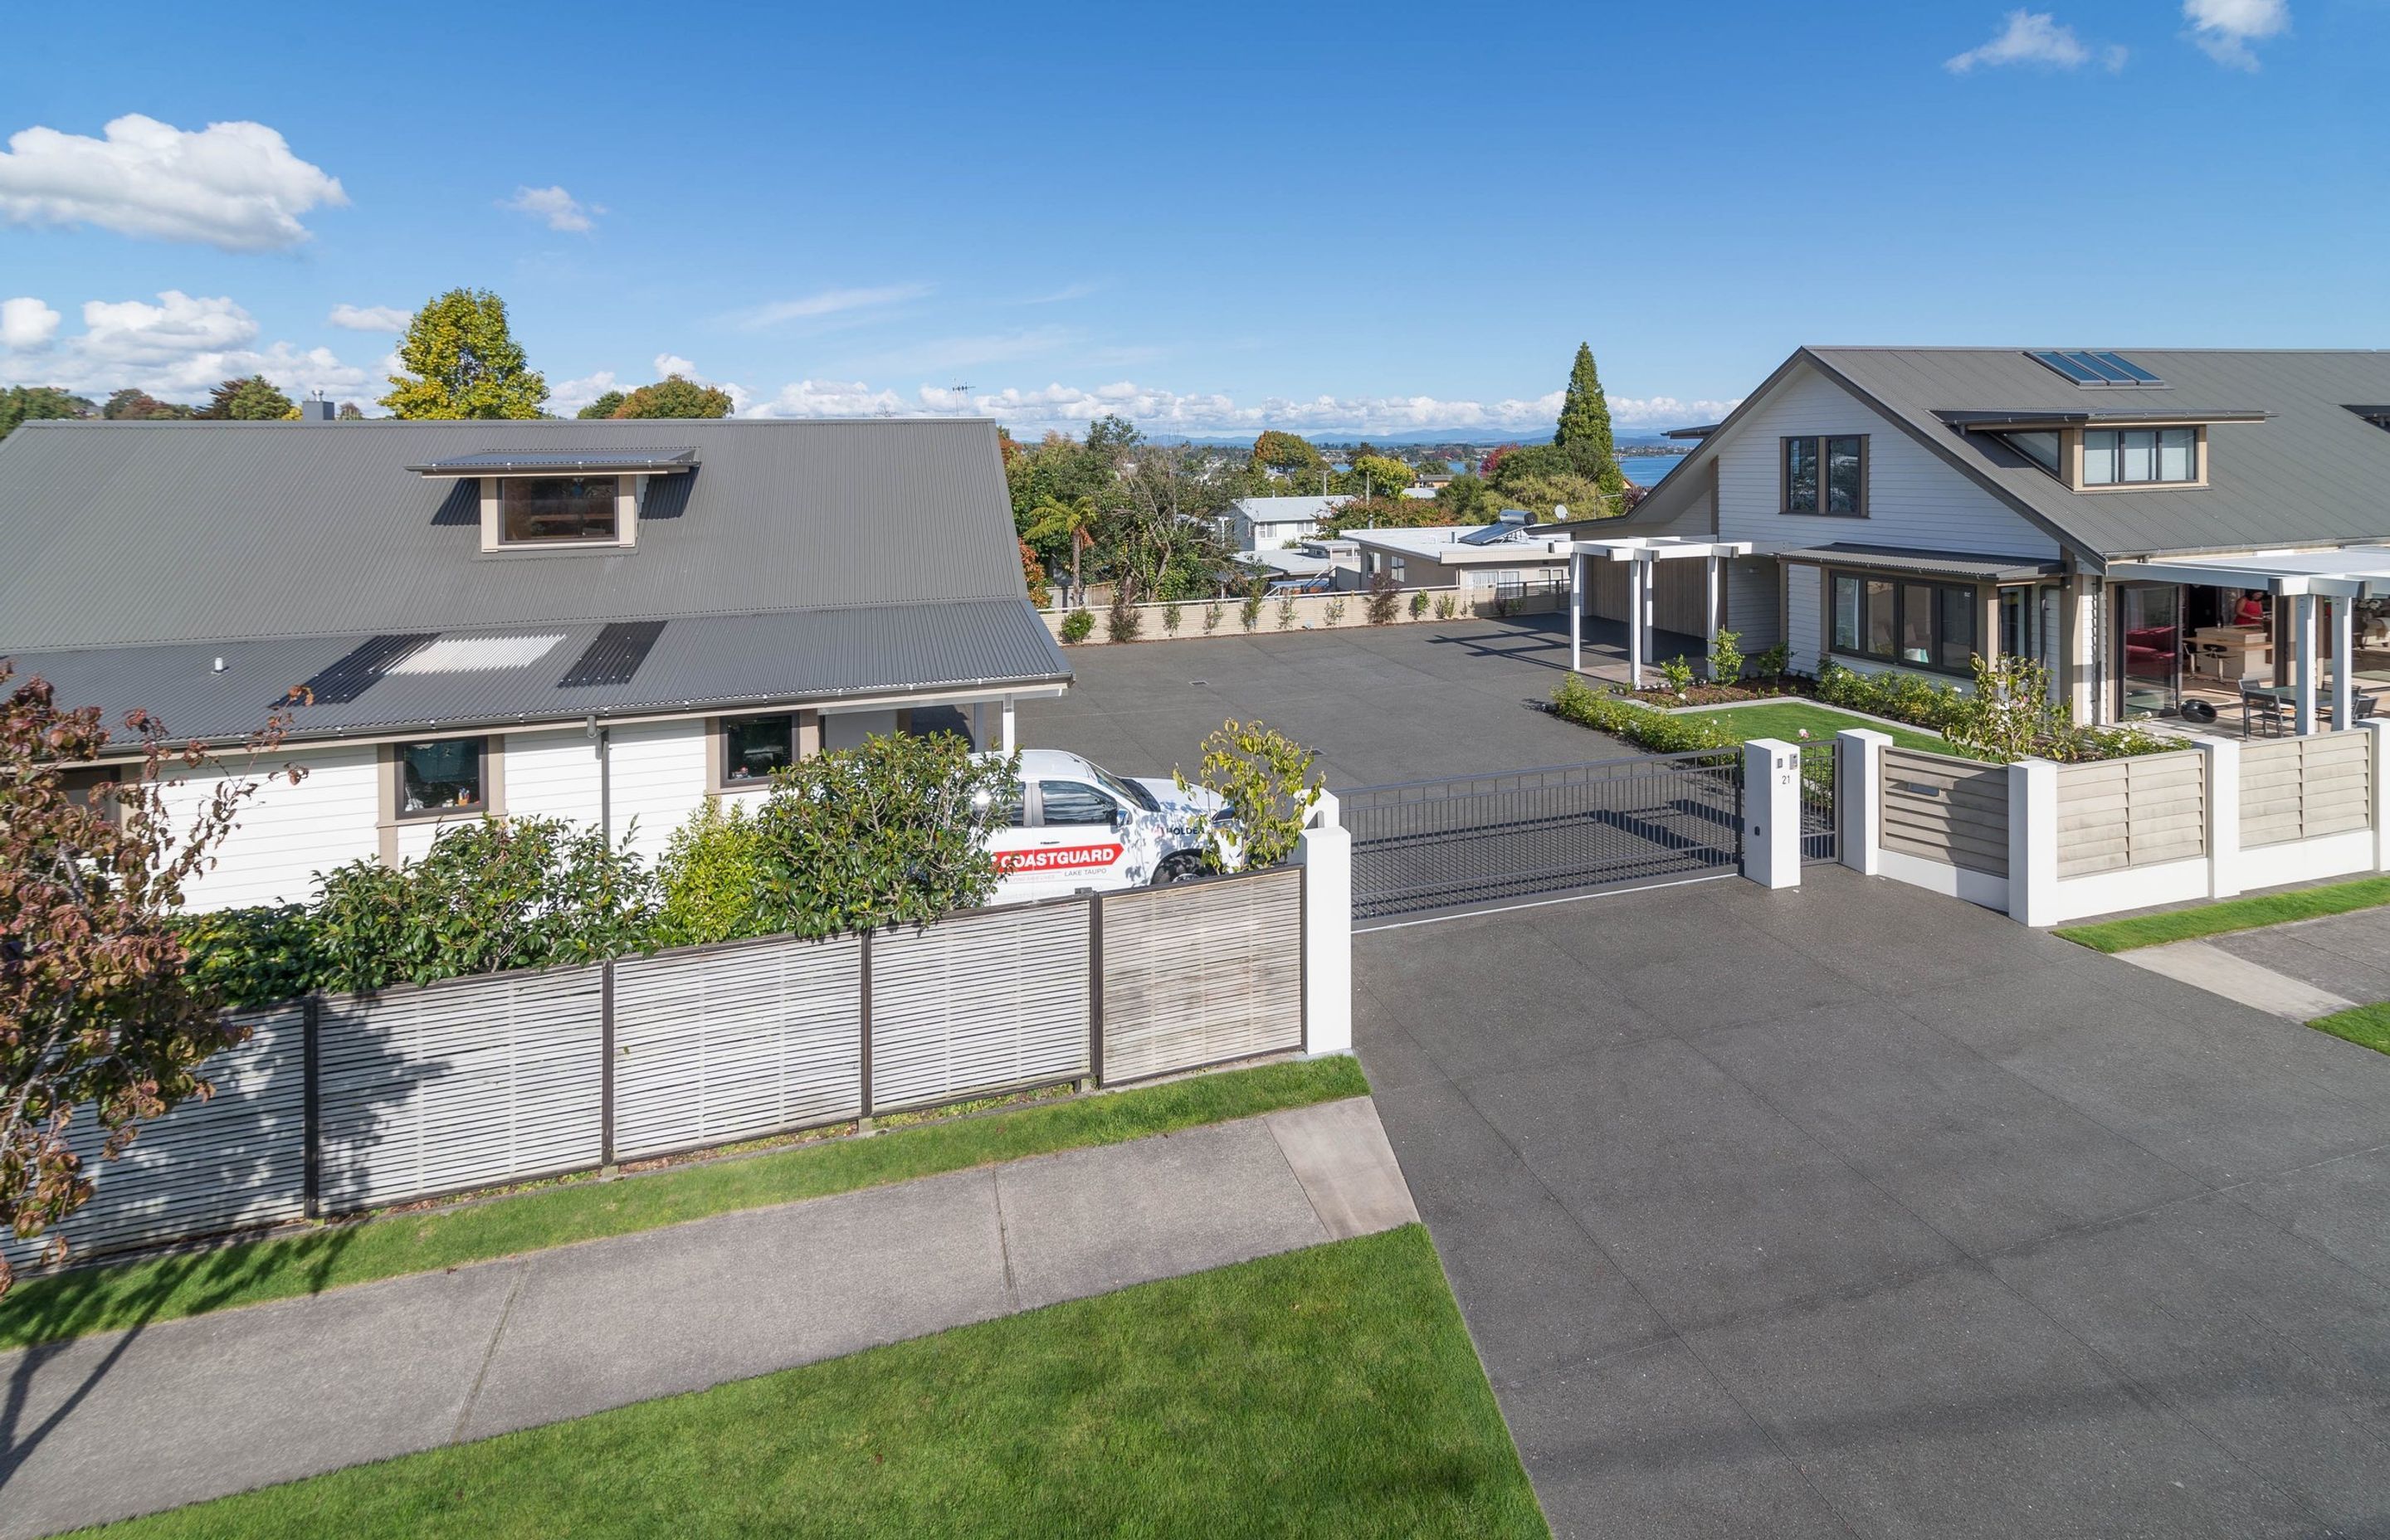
(2132, 371)
(615, 656)
(2063, 365)
(2086, 368)
(359, 670)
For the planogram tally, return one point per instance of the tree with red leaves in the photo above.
(98, 1017)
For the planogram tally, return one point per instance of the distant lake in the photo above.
(1641, 469)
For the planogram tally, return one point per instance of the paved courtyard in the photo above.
(1856, 1210)
(1380, 703)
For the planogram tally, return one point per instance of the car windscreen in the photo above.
(1128, 792)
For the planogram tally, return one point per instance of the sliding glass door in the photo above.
(2150, 631)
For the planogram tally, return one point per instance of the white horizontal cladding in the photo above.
(286, 833)
(458, 1085)
(1754, 608)
(1914, 500)
(717, 1044)
(659, 779)
(979, 1002)
(236, 1160)
(553, 775)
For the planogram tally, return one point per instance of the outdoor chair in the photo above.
(2264, 709)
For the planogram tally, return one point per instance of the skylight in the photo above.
(2094, 368)
(469, 654)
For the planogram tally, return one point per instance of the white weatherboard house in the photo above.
(607, 622)
(1274, 523)
(2167, 530)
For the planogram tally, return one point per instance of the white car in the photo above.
(1075, 824)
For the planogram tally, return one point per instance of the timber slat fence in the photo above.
(338, 1103)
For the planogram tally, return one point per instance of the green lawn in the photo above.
(1823, 721)
(102, 1299)
(1330, 1392)
(2232, 914)
(2367, 1026)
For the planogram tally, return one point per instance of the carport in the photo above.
(1641, 554)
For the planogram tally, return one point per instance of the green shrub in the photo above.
(1382, 594)
(487, 896)
(1285, 611)
(1771, 664)
(1124, 619)
(1902, 696)
(1212, 612)
(1662, 732)
(2011, 716)
(1078, 624)
(1446, 606)
(1170, 618)
(1249, 614)
(1267, 781)
(712, 877)
(252, 956)
(1418, 604)
(1676, 674)
(1725, 658)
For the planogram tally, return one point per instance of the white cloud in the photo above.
(26, 323)
(370, 317)
(2226, 28)
(234, 185)
(559, 208)
(671, 363)
(2035, 37)
(828, 302)
(566, 400)
(1159, 410)
(175, 350)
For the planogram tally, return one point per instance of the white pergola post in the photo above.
(1576, 612)
(2343, 662)
(1710, 617)
(2303, 638)
(1011, 743)
(1635, 571)
(979, 725)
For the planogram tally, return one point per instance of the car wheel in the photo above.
(1179, 867)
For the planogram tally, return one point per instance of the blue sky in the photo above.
(1371, 219)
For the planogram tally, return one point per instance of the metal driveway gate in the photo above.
(1443, 844)
(1817, 827)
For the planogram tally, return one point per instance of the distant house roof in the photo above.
(1288, 510)
(782, 561)
(1443, 544)
(2294, 460)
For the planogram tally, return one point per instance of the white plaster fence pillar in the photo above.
(2032, 842)
(2381, 731)
(2344, 663)
(1859, 798)
(2302, 618)
(1771, 813)
(2223, 793)
(1325, 854)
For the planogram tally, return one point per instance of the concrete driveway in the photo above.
(1855, 1210)
(1380, 703)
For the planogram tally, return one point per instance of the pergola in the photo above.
(1642, 550)
(2340, 575)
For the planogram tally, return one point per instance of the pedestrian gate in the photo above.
(1426, 846)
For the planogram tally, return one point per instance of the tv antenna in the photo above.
(962, 394)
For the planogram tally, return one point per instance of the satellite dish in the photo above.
(1560, 512)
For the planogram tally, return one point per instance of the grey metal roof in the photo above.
(2311, 473)
(705, 661)
(665, 460)
(124, 533)
(1995, 569)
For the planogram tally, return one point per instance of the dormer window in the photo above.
(2140, 457)
(535, 510)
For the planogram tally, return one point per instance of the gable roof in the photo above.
(118, 532)
(780, 562)
(2297, 468)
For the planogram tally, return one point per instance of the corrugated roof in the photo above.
(667, 460)
(2311, 473)
(137, 533)
(713, 660)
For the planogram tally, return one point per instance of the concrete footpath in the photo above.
(222, 1403)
